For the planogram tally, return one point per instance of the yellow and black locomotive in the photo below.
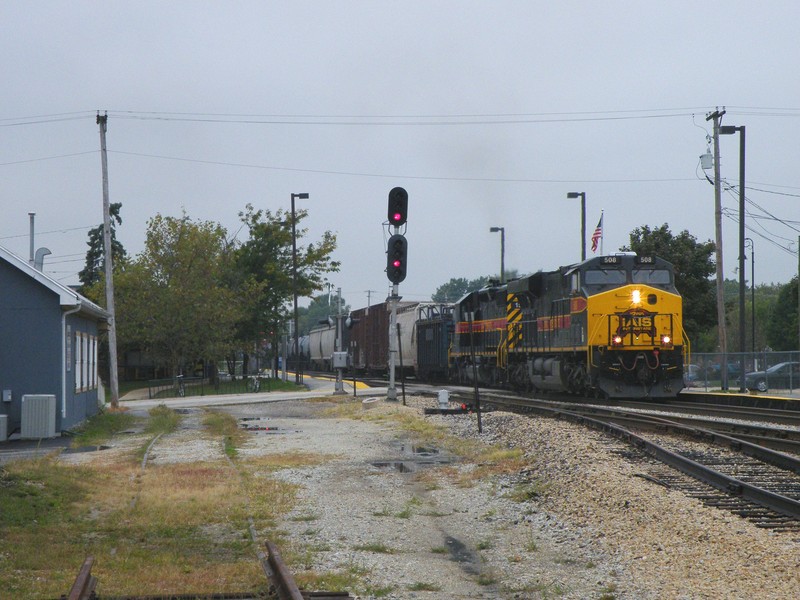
(608, 326)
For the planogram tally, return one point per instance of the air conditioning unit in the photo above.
(38, 416)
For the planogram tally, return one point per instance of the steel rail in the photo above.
(282, 577)
(85, 582)
(780, 504)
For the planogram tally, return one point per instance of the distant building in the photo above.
(48, 344)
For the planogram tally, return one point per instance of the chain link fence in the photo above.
(765, 371)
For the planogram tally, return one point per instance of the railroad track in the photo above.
(726, 471)
(282, 585)
(282, 582)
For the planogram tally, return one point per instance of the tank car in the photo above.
(608, 326)
(322, 344)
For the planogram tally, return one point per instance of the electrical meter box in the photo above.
(340, 360)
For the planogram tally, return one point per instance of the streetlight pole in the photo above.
(582, 196)
(729, 130)
(502, 231)
(302, 196)
(752, 294)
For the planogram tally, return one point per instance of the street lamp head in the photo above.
(303, 196)
(574, 194)
(496, 229)
(728, 129)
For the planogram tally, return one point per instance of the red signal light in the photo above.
(396, 258)
(398, 206)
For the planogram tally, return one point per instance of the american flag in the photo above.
(597, 236)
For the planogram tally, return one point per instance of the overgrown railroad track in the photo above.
(282, 583)
(726, 471)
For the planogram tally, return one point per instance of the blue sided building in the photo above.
(49, 343)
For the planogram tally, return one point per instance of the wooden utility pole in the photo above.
(113, 376)
(723, 337)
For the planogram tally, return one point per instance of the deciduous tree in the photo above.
(263, 265)
(693, 267)
(171, 300)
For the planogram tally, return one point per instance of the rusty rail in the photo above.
(283, 579)
(284, 582)
(85, 582)
(274, 567)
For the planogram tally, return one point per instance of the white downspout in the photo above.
(64, 358)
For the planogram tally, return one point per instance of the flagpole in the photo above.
(602, 232)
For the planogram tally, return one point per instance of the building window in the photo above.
(85, 362)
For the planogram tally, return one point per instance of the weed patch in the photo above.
(102, 427)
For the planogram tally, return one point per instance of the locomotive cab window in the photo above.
(651, 276)
(605, 277)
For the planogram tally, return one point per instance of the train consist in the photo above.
(609, 326)
(367, 340)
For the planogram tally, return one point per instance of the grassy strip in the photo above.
(225, 426)
(162, 420)
(102, 427)
(187, 532)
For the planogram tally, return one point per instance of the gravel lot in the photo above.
(596, 530)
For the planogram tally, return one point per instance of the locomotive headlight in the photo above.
(666, 340)
(636, 297)
(616, 340)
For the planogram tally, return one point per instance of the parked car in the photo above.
(693, 375)
(783, 375)
(714, 371)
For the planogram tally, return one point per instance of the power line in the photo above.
(9, 237)
(396, 176)
(371, 121)
(50, 116)
(42, 158)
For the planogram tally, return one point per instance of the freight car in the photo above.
(369, 336)
(433, 338)
(322, 344)
(608, 326)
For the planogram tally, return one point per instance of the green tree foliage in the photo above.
(782, 327)
(693, 267)
(319, 309)
(171, 300)
(264, 264)
(455, 289)
(94, 268)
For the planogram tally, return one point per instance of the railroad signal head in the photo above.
(396, 258)
(398, 206)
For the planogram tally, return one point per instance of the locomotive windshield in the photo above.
(651, 276)
(604, 277)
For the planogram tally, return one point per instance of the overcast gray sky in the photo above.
(488, 113)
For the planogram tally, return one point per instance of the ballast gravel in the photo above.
(577, 521)
(592, 528)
